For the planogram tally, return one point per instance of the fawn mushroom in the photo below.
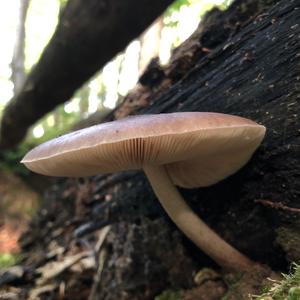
(188, 149)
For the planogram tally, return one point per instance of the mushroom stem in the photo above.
(194, 228)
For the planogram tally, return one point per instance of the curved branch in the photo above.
(90, 33)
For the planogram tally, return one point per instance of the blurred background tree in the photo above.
(33, 23)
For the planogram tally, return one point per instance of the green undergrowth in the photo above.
(10, 160)
(9, 259)
(286, 289)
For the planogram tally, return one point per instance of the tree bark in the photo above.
(89, 34)
(17, 65)
(245, 61)
(248, 67)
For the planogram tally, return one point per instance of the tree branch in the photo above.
(90, 33)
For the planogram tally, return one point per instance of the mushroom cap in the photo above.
(197, 148)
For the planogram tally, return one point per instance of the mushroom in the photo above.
(187, 149)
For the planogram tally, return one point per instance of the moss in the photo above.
(294, 293)
(288, 238)
(286, 289)
(240, 286)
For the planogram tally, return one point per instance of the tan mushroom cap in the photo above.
(197, 148)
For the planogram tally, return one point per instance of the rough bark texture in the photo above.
(89, 34)
(244, 61)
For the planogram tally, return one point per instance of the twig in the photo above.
(277, 205)
(100, 259)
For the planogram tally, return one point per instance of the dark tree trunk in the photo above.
(18, 60)
(89, 34)
(244, 61)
